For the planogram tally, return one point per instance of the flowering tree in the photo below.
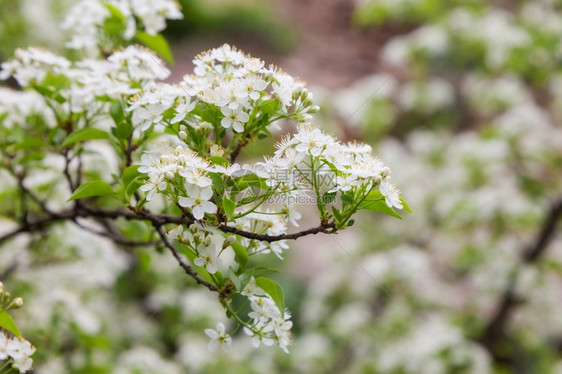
(471, 284)
(101, 143)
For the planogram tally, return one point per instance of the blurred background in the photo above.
(462, 99)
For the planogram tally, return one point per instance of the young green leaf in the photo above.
(132, 179)
(83, 135)
(234, 278)
(116, 112)
(249, 199)
(218, 183)
(157, 43)
(130, 174)
(274, 290)
(217, 160)
(375, 202)
(245, 181)
(241, 255)
(123, 130)
(228, 206)
(405, 204)
(7, 323)
(92, 189)
(114, 11)
(271, 106)
(245, 279)
(328, 197)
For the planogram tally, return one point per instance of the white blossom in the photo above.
(219, 338)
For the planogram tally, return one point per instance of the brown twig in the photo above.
(234, 155)
(184, 265)
(83, 211)
(327, 229)
(495, 328)
(118, 239)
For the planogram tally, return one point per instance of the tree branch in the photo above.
(495, 329)
(83, 211)
(184, 265)
(327, 229)
(236, 152)
(113, 236)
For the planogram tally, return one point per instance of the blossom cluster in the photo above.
(164, 164)
(14, 350)
(207, 243)
(17, 107)
(87, 19)
(165, 159)
(269, 222)
(353, 164)
(502, 40)
(18, 350)
(87, 85)
(268, 324)
(228, 91)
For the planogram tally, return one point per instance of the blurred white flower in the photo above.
(219, 338)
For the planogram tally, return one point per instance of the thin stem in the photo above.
(184, 265)
(8, 362)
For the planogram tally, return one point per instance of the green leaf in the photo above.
(228, 206)
(116, 112)
(219, 161)
(83, 135)
(50, 92)
(249, 199)
(346, 199)
(234, 278)
(114, 27)
(248, 180)
(337, 214)
(263, 270)
(114, 11)
(123, 130)
(144, 261)
(245, 278)
(274, 290)
(405, 204)
(30, 143)
(130, 174)
(241, 255)
(132, 179)
(218, 183)
(55, 82)
(375, 202)
(328, 197)
(91, 189)
(7, 323)
(157, 43)
(271, 106)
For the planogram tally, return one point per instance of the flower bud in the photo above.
(314, 109)
(183, 135)
(17, 303)
(1, 288)
(228, 241)
(385, 171)
(205, 126)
